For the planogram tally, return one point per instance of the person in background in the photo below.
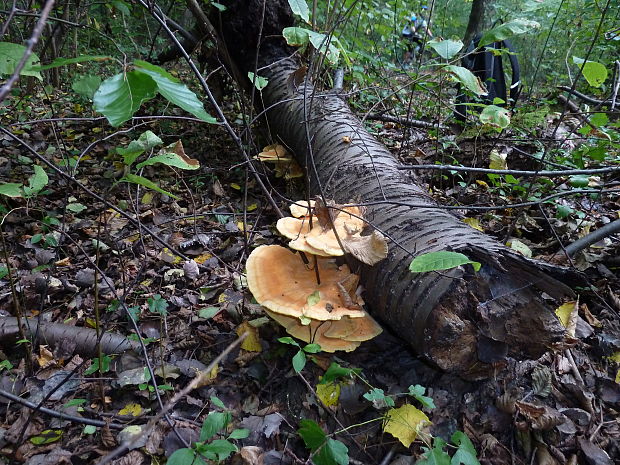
(414, 33)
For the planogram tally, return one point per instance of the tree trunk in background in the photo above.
(461, 320)
(476, 19)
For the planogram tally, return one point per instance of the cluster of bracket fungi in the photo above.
(314, 298)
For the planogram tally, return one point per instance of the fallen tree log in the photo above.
(461, 320)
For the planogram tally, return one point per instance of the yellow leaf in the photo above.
(240, 226)
(615, 357)
(235, 186)
(90, 322)
(222, 298)
(200, 259)
(328, 393)
(207, 378)
(131, 409)
(147, 198)
(252, 342)
(405, 423)
(618, 377)
(474, 223)
(482, 183)
(567, 314)
(45, 357)
(252, 207)
(497, 161)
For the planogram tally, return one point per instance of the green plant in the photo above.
(299, 359)
(214, 425)
(440, 260)
(36, 183)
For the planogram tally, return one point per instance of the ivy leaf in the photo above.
(506, 30)
(466, 453)
(120, 96)
(221, 447)
(441, 260)
(300, 8)
(417, 392)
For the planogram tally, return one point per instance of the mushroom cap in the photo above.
(354, 329)
(296, 229)
(281, 282)
(315, 332)
(274, 153)
(369, 249)
(300, 208)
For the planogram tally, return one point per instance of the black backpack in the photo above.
(490, 69)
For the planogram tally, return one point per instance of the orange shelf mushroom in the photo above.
(348, 225)
(329, 314)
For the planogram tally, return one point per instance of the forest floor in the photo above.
(176, 264)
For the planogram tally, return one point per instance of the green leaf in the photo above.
(75, 402)
(208, 312)
(86, 86)
(11, 189)
(325, 45)
(446, 48)
(299, 361)
(417, 392)
(221, 447)
(137, 147)
(36, 182)
(11, 54)
(69, 61)
(314, 298)
(335, 371)
(312, 349)
(217, 402)
(240, 433)
(598, 120)
(213, 424)
(4, 271)
(594, 72)
(296, 36)
(378, 397)
(177, 93)
(495, 116)
(76, 207)
(146, 183)
(89, 429)
(466, 453)
(259, 82)
(173, 155)
(120, 96)
(185, 456)
(156, 69)
(441, 260)
(157, 304)
(333, 452)
(312, 434)
(436, 455)
(300, 8)
(579, 180)
(467, 78)
(47, 437)
(288, 340)
(99, 365)
(506, 30)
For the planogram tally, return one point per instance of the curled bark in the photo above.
(463, 321)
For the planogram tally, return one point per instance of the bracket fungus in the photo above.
(328, 313)
(326, 240)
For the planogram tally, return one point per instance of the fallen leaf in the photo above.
(328, 393)
(405, 423)
(132, 409)
(252, 342)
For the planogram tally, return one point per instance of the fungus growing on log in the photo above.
(329, 314)
(327, 241)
